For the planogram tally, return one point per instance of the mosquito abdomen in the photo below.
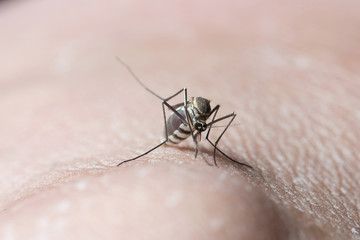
(177, 131)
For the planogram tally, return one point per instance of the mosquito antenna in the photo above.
(137, 78)
(222, 126)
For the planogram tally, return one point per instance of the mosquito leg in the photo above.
(137, 78)
(165, 124)
(132, 159)
(240, 163)
(162, 143)
(232, 116)
(213, 111)
(164, 100)
(164, 103)
(172, 96)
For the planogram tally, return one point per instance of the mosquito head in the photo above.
(200, 125)
(202, 106)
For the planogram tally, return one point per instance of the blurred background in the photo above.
(65, 99)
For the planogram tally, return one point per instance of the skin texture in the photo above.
(70, 113)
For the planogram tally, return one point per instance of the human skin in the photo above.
(70, 113)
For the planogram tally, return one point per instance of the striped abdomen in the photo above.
(177, 131)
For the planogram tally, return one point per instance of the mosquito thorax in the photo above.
(202, 106)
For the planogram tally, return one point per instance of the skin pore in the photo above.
(71, 112)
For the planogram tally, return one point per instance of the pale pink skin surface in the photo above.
(70, 113)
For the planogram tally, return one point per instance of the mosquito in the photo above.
(187, 119)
